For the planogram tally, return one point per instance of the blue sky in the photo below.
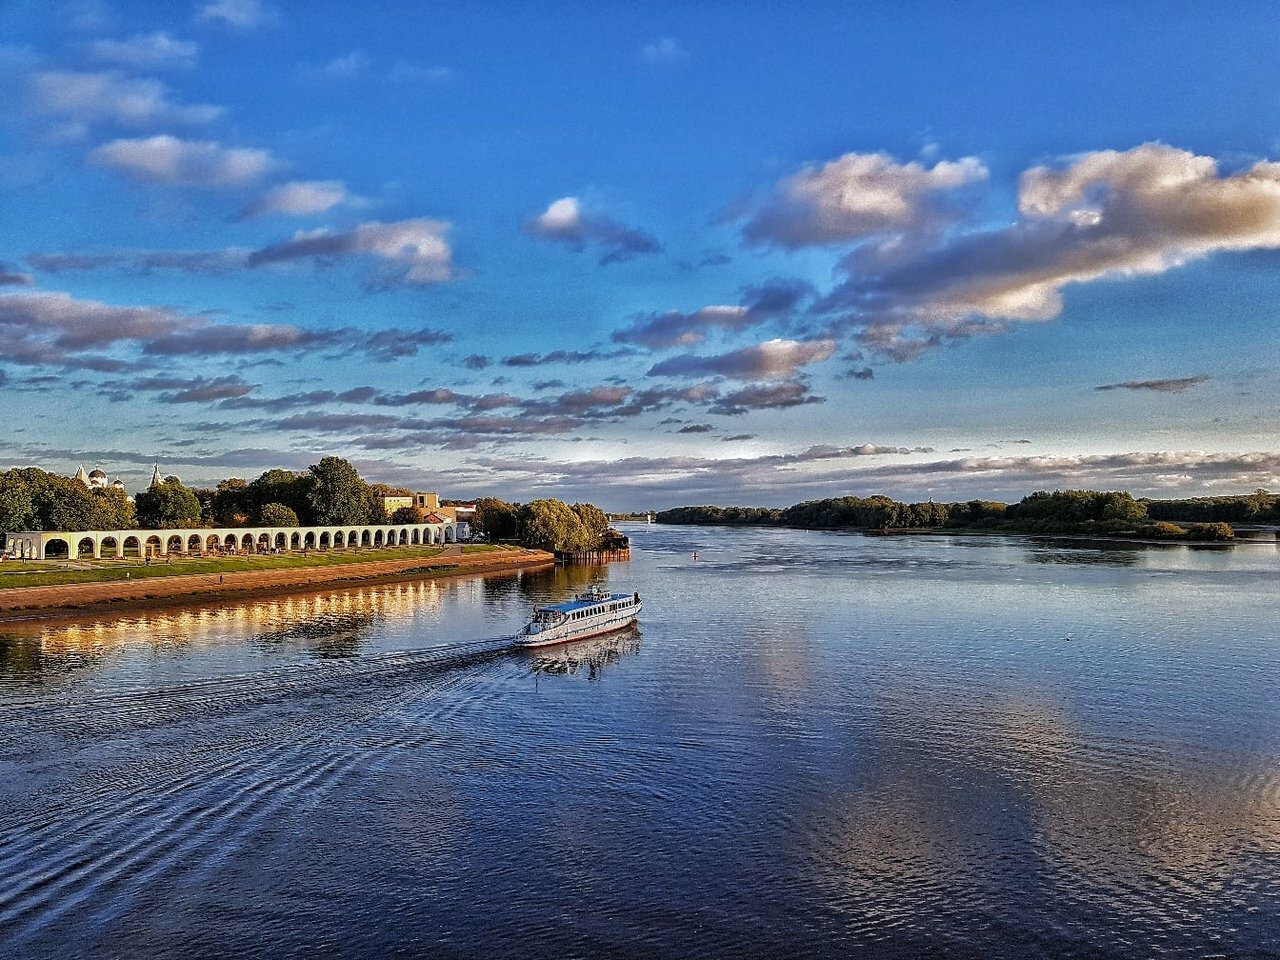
(645, 255)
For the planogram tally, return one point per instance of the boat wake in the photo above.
(170, 782)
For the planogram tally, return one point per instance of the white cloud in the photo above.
(565, 221)
(345, 67)
(110, 96)
(300, 198)
(771, 360)
(77, 324)
(169, 161)
(665, 50)
(856, 196)
(146, 51)
(241, 14)
(416, 250)
(57, 329)
(761, 303)
(1108, 214)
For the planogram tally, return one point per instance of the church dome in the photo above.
(98, 475)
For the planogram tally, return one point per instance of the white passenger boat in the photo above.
(586, 615)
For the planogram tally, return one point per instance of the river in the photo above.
(814, 744)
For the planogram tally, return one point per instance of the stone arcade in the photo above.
(118, 544)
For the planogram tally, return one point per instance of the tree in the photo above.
(281, 487)
(277, 515)
(408, 515)
(552, 525)
(1211, 531)
(206, 497)
(497, 519)
(230, 507)
(337, 494)
(114, 508)
(64, 504)
(595, 524)
(167, 505)
(17, 509)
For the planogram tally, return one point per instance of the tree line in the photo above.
(546, 524)
(1062, 511)
(329, 493)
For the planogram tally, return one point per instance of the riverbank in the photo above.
(1041, 535)
(993, 532)
(123, 595)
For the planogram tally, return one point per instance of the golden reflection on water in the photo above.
(1106, 815)
(333, 623)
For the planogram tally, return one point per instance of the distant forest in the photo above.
(1064, 511)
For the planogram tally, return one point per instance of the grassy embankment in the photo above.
(56, 572)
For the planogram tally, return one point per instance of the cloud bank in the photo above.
(772, 360)
(412, 252)
(1106, 214)
(856, 196)
(166, 160)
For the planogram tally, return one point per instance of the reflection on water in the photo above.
(1087, 552)
(826, 745)
(588, 657)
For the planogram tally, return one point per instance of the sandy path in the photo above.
(128, 592)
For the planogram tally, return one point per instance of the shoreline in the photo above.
(975, 532)
(37, 603)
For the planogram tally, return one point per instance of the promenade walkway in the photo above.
(82, 595)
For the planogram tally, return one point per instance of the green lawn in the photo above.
(53, 572)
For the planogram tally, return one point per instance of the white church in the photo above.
(98, 480)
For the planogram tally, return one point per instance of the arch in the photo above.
(309, 541)
(153, 546)
(353, 538)
(324, 541)
(282, 540)
(174, 544)
(246, 542)
(109, 543)
(193, 543)
(295, 540)
(57, 549)
(364, 538)
(404, 537)
(416, 537)
(264, 542)
(339, 539)
(230, 541)
(450, 535)
(377, 538)
(86, 545)
(211, 545)
(132, 547)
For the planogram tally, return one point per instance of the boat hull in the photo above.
(525, 643)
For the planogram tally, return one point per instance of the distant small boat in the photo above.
(586, 615)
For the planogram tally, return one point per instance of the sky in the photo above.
(645, 255)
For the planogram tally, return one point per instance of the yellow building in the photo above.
(391, 504)
(426, 502)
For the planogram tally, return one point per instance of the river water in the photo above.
(815, 744)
